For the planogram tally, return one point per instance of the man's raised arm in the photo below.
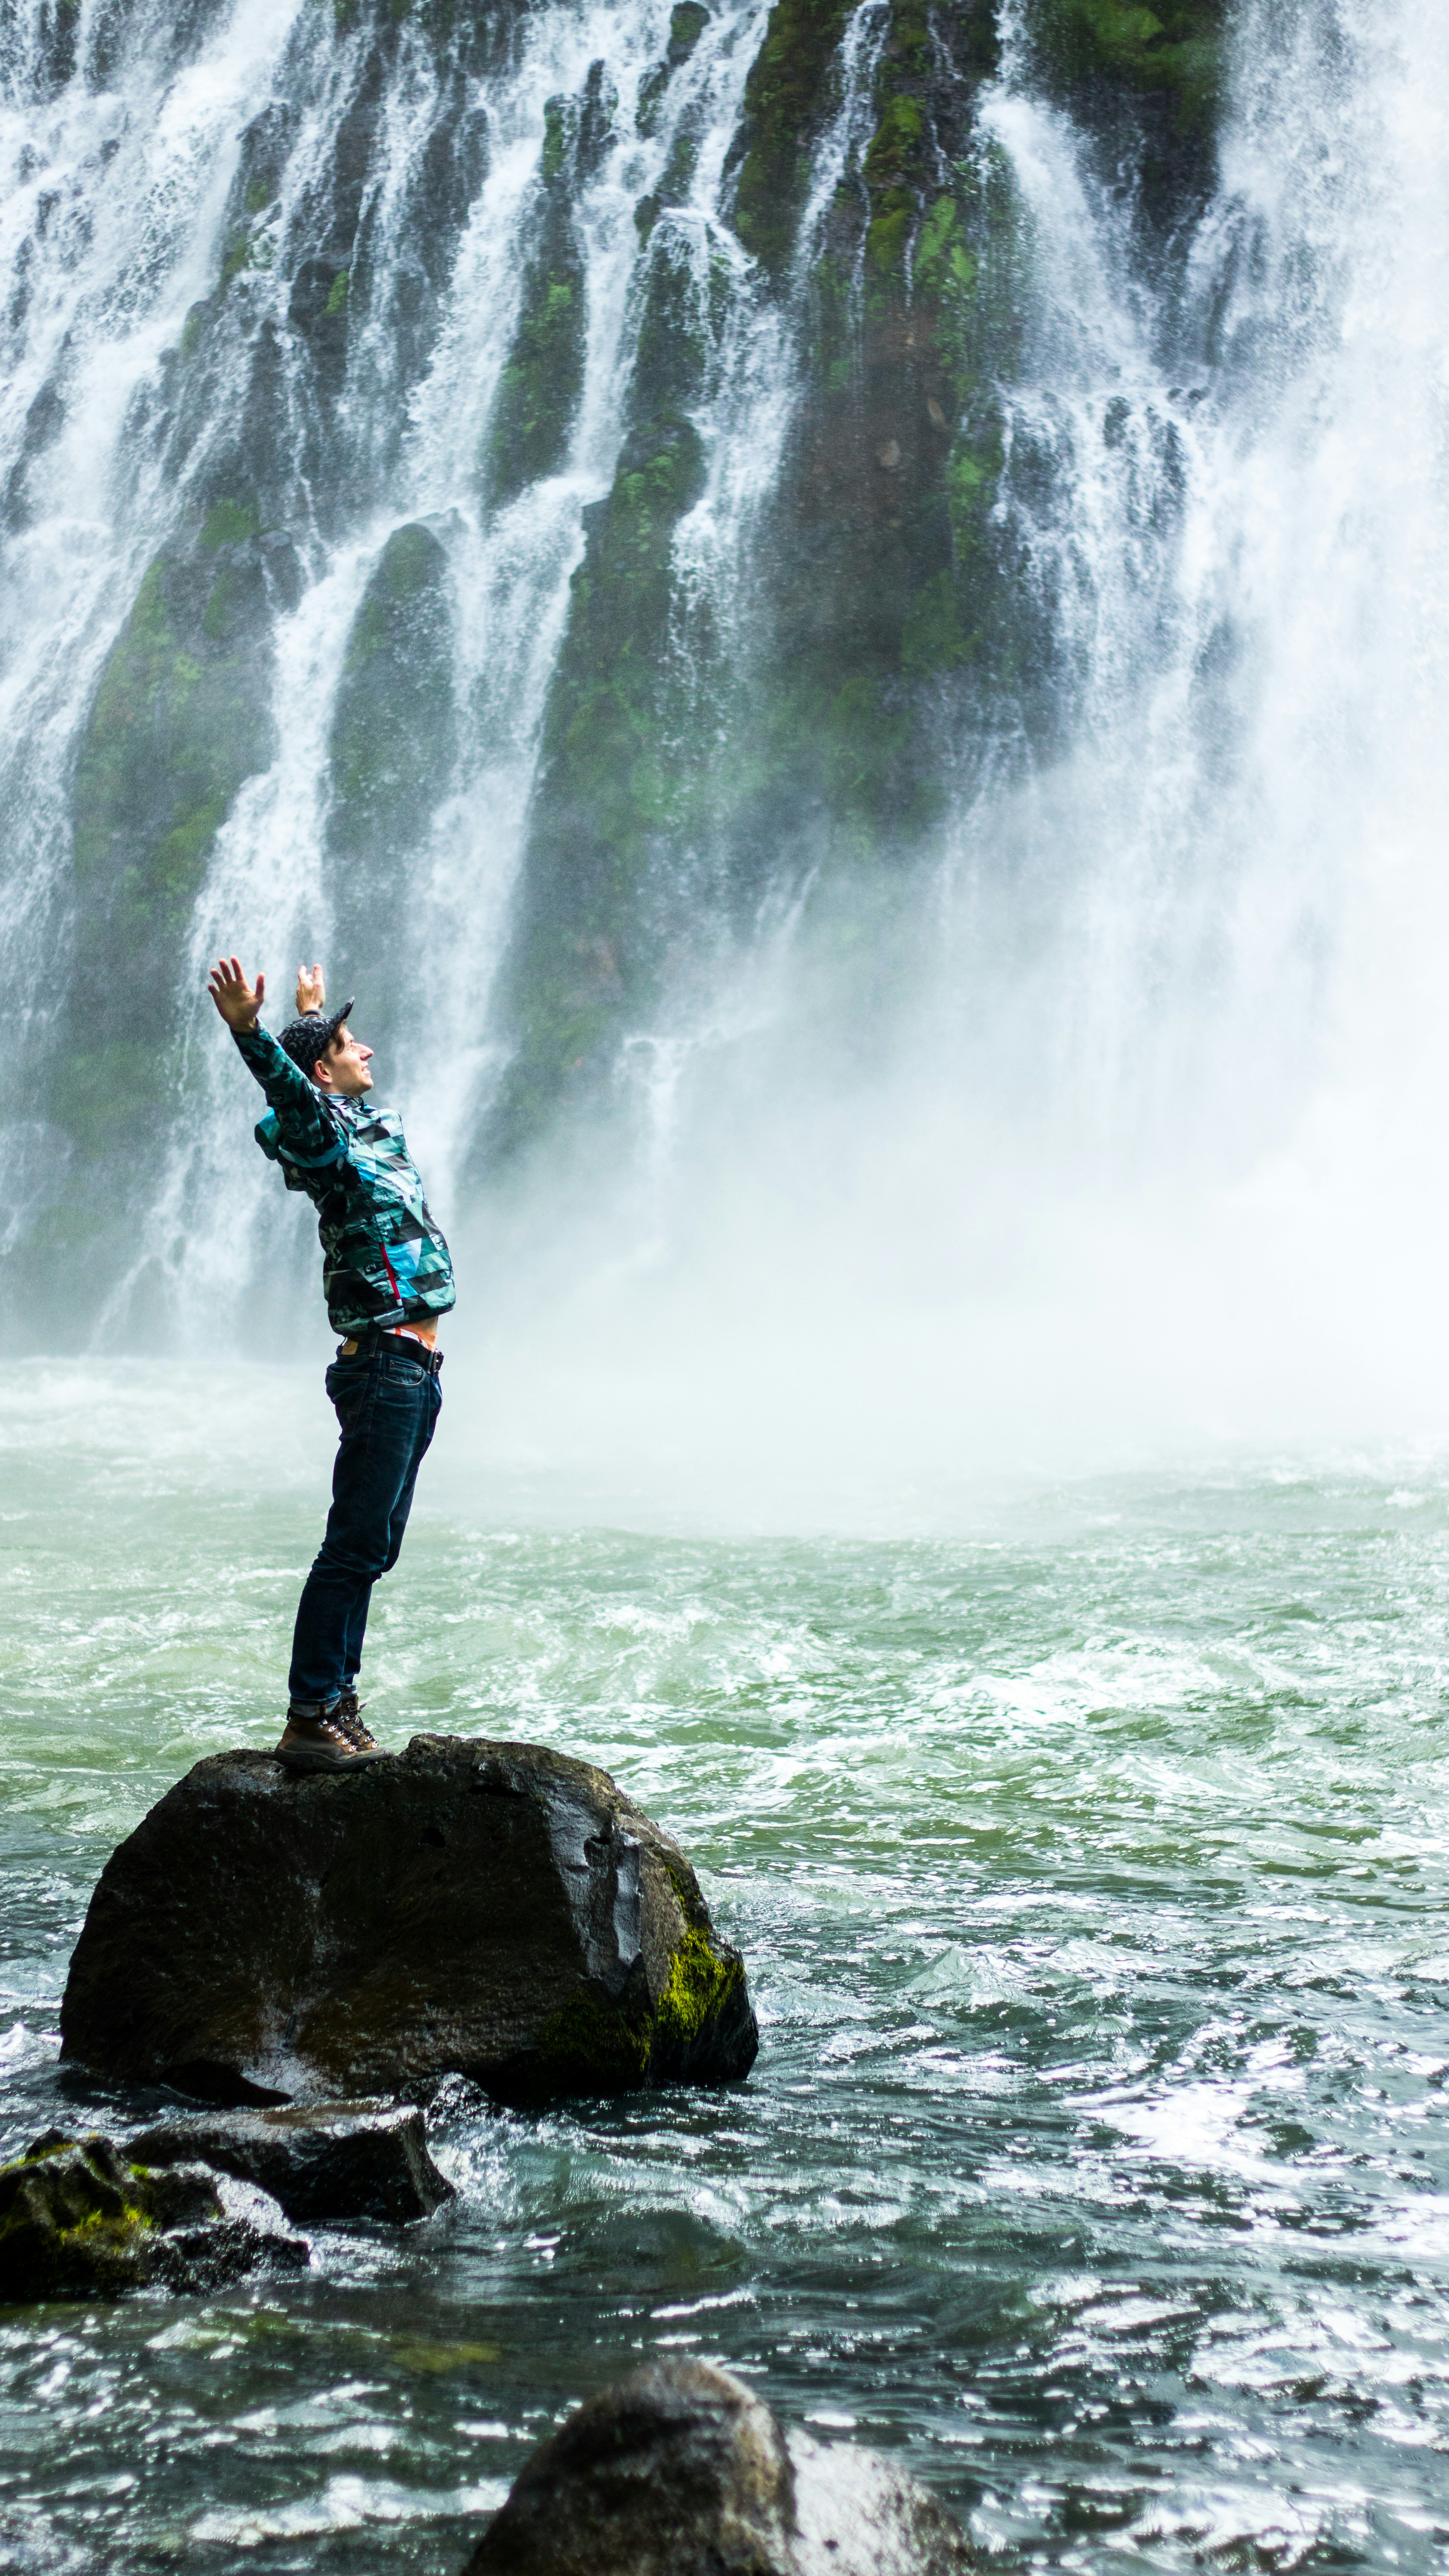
(306, 1129)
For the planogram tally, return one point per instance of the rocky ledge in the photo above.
(80, 2220)
(496, 1911)
(329, 2160)
(679, 2470)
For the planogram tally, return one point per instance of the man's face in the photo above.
(346, 1067)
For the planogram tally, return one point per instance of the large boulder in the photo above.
(80, 2220)
(679, 2470)
(490, 1910)
(329, 2160)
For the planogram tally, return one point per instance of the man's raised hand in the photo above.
(311, 989)
(233, 995)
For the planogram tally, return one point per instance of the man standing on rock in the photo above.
(387, 1278)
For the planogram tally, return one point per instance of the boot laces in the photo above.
(347, 1718)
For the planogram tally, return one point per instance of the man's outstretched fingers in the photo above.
(233, 996)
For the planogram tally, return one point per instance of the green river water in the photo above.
(1088, 1856)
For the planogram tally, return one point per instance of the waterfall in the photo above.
(834, 616)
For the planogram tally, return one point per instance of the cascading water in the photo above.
(136, 403)
(345, 328)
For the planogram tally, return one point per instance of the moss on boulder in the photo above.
(705, 1985)
(75, 2220)
(79, 2221)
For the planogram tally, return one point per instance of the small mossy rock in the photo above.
(325, 2161)
(491, 1910)
(679, 2470)
(79, 2220)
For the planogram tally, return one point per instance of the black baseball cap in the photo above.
(312, 1035)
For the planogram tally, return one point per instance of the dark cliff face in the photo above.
(687, 770)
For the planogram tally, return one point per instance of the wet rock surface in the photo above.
(680, 2468)
(332, 2160)
(468, 1907)
(80, 2220)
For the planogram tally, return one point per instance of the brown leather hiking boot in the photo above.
(320, 1744)
(348, 1715)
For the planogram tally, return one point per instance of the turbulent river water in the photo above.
(1088, 1857)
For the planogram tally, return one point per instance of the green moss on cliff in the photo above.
(608, 789)
(687, 23)
(180, 719)
(905, 419)
(1174, 50)
(619, 773)
(174, 730)
(932, 638)
(228, 523)
(539, 391)
(894, 176)
(785, 96)
(541, 384)
(394, 728)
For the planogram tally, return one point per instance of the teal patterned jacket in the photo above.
(383, 1255)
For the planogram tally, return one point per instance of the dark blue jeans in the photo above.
(388, 1407)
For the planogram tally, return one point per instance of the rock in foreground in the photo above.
(489, 1910)
(679, 2470)
(336, 2160)
(78, 2221)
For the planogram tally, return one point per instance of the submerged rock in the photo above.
(80, 2221)
(333, 2160)
(679, 2470)
(496, 1911)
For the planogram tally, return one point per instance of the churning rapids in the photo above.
(1042, 1196)
(1090, 1867)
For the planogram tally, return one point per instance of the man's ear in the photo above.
(322, 1073)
